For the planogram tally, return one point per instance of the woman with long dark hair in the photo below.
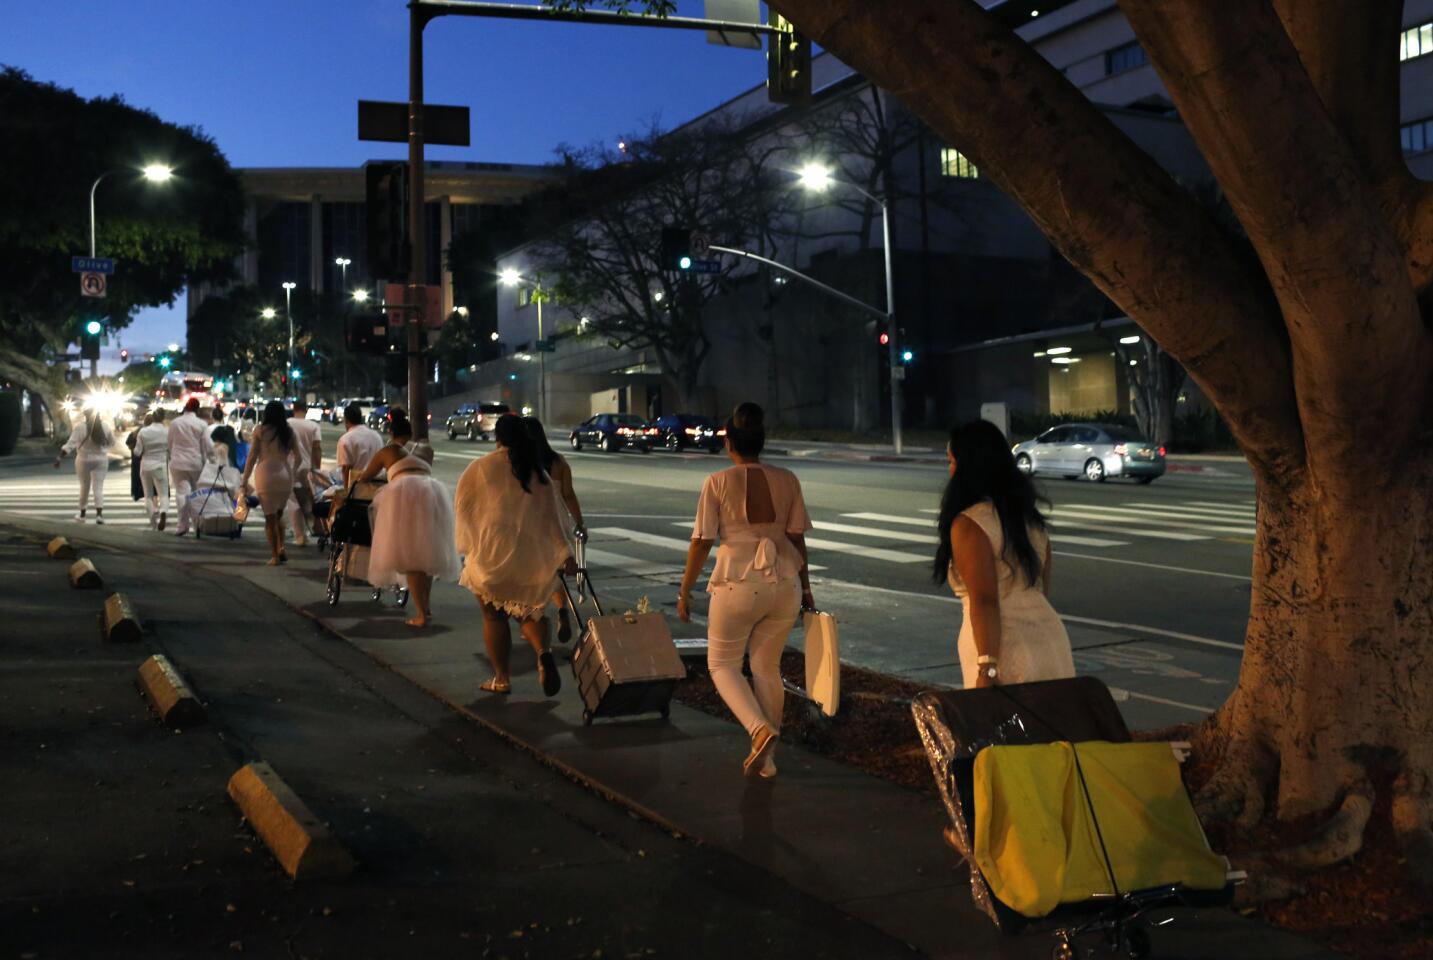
(511, 538)
(90, 442)
(758, 585)
(412, 521)
(273, 462)
(559, 471)
(995, 554)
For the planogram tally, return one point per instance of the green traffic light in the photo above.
(94, 328)
(685, 263)
(164, 362)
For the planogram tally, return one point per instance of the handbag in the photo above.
(241, 508)
(823, 660)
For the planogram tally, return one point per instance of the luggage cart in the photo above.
(621, 669)
(955, 725)
(215, 523)
(350, 535)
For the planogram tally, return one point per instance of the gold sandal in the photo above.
(494, 685)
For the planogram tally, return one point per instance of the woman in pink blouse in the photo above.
(759, 583)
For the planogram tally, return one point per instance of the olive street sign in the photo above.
(91, 265)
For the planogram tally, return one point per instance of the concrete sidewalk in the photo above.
(870, 848)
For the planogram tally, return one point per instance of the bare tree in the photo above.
(601, 257)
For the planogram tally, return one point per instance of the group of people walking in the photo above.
(506, 534)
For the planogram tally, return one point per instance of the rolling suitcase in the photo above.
(625, 664)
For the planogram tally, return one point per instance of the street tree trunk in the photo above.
(1311, 336)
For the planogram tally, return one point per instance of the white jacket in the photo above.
(84, 447)
(189, 445)
(152, 447)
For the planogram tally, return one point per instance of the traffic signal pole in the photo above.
(417, 263)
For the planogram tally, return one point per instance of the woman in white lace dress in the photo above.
(511, 538)
(995, 554)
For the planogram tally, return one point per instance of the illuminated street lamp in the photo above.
(512, 278)
(154, 173)
(360, 296)
(816, 178)
(342, 264)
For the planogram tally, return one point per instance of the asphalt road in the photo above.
(1153, 581)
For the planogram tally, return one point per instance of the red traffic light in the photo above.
(885, 339)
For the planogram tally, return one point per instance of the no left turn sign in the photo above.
(92, 284)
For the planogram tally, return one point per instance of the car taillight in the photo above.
(624, 430)
(1161, 451)
(691, 431)
(651, 431)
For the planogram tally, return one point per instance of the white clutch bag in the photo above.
(823, 660)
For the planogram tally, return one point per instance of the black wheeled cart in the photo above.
(1077, 716)
(625, 664)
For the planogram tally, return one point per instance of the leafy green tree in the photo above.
(53, 144)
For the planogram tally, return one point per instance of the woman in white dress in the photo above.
(758, 585)
(273, 462)
(511, 538)
(90, 441)
(412, 520)
(995, 554)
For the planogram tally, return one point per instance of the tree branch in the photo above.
(1313, 216)
(1104, 204)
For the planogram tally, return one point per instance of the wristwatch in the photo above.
(988, 666)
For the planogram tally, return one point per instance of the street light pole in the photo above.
(511, 278)
(417, 264)
(289, 314)
(93, 187)
(816, 177)
(342, 263)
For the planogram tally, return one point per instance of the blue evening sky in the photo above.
(275, 82)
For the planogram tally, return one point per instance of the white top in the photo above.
(152, 446)
(357, 446)
(306, 433)
(84, 447)
(189, 445)
(747, 548)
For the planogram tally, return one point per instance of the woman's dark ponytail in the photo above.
(526, 459)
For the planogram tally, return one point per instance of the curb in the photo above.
(302, 845)
(60, 549)
(120, 624)
(167, 692)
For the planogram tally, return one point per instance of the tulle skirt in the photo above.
(412, 520)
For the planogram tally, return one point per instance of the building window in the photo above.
(1416, 137)
(953, 163)
(524, 296)
(1125, 57)
(1415, 42)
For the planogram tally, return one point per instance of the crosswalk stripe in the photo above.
(1245, 508)
(640, 568)
(923, 522)
(655, 540)
(859, 550)
(1062, 520)
(1121, 515)
(1203, 513)
(872, 532)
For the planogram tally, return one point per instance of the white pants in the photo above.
(156, 491)
(91, 474)
(184, 481)
(753, 617)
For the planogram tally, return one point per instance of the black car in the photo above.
(475, 420)
(378, 418)
(613, 431)
(677, 431)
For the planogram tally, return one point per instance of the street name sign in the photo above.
(705, 266)
(91, 265)
(92, 284)
(387, 121)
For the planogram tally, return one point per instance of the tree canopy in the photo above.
(53, 144)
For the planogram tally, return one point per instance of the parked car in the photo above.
(677, 431)
(366, 405)
(1092, 450)
(613, 431)
(475, 420)
(377, 418)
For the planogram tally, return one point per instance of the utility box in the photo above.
(997, 413)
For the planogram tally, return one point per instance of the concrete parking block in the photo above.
(84, 576)
(302, 845)
(60, 549)
(120, 623)
(166, 690)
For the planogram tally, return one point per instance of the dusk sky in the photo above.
(275, 82)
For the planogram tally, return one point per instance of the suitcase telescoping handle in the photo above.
(585, 588)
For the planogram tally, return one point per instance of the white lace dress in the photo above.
(412, 520)
(1033, 641)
